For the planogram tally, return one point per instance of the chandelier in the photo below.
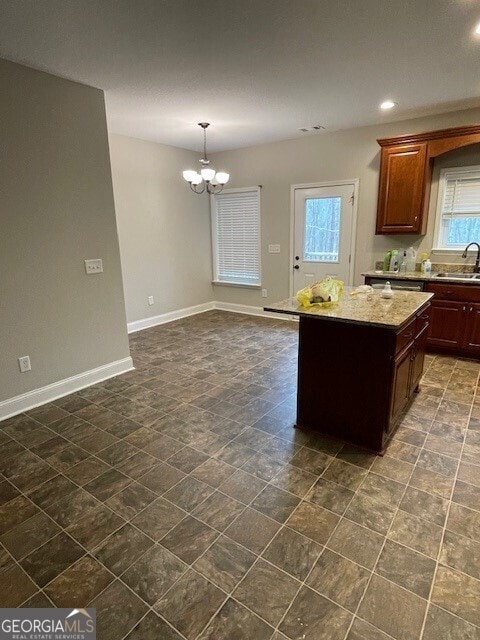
(207, 179)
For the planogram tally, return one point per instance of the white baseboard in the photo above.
(40, 396)
(251, 311)
(56, 390)
(146, 323)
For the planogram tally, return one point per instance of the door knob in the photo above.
(297, 257)
(295, 266)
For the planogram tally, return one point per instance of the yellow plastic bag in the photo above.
(325, 293)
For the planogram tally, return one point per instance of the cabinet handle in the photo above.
(425, 317)
(408, 335)
(464, 308)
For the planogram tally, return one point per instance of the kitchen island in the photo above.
(359, 363)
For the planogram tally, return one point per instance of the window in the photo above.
(236, 236)
(458, 209)
(322, 229)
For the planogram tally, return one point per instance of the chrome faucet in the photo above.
(476, 268)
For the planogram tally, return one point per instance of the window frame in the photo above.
(442, 180)
(215, 255)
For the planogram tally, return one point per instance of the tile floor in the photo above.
(178, 500)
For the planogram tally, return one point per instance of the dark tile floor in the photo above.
(178, 500)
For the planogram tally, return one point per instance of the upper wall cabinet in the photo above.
(405, 176)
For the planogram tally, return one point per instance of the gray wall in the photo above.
(327, 156)
(164, 228)
(56, 210)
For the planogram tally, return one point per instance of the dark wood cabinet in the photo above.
(418, 359)
(455, 320)
(356, 380)
(471, 341)
(408, 366)
(400, 384)
(404, 180)
(405, 176)
(446, 327)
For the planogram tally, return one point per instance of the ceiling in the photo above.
(258, 70)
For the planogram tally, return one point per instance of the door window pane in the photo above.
(322, 229)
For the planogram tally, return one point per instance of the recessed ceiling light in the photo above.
(477, 29)
(388, 104)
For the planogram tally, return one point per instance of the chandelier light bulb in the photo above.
(197, 178)
(222, 177)
(189, 175)
(207, 173)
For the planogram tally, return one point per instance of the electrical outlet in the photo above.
(150, 300)
(24, 364)
(93, 266)
(264, 293)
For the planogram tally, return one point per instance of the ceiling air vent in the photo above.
(315, 127)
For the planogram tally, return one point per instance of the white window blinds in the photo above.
(236, 236)
(462, 195)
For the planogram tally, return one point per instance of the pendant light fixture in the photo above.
(207, 179)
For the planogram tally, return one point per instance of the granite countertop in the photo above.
(363, 308)
(418, 276)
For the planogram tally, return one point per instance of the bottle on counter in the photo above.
(411, 259)
(394, 261)
(427, 269)
(403, 266)
(386, 261)
(423, 260)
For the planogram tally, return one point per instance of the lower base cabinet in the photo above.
(455, 320)
(408, 368)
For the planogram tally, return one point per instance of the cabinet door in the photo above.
(403, 177)
(419, 359)
(446, 324)
(471, 341)
(400, 384)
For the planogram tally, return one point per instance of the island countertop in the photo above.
(362, 308)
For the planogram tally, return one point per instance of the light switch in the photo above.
(24, 364)
(273, 248)
(93, 266)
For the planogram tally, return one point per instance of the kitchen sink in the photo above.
(458, 276)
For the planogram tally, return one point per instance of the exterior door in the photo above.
(323, 230)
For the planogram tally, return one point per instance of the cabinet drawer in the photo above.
(423, 319)
(405, 336)
(461, 293)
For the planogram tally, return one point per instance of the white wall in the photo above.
(327, 156)
(164, 228)
(56, 210)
